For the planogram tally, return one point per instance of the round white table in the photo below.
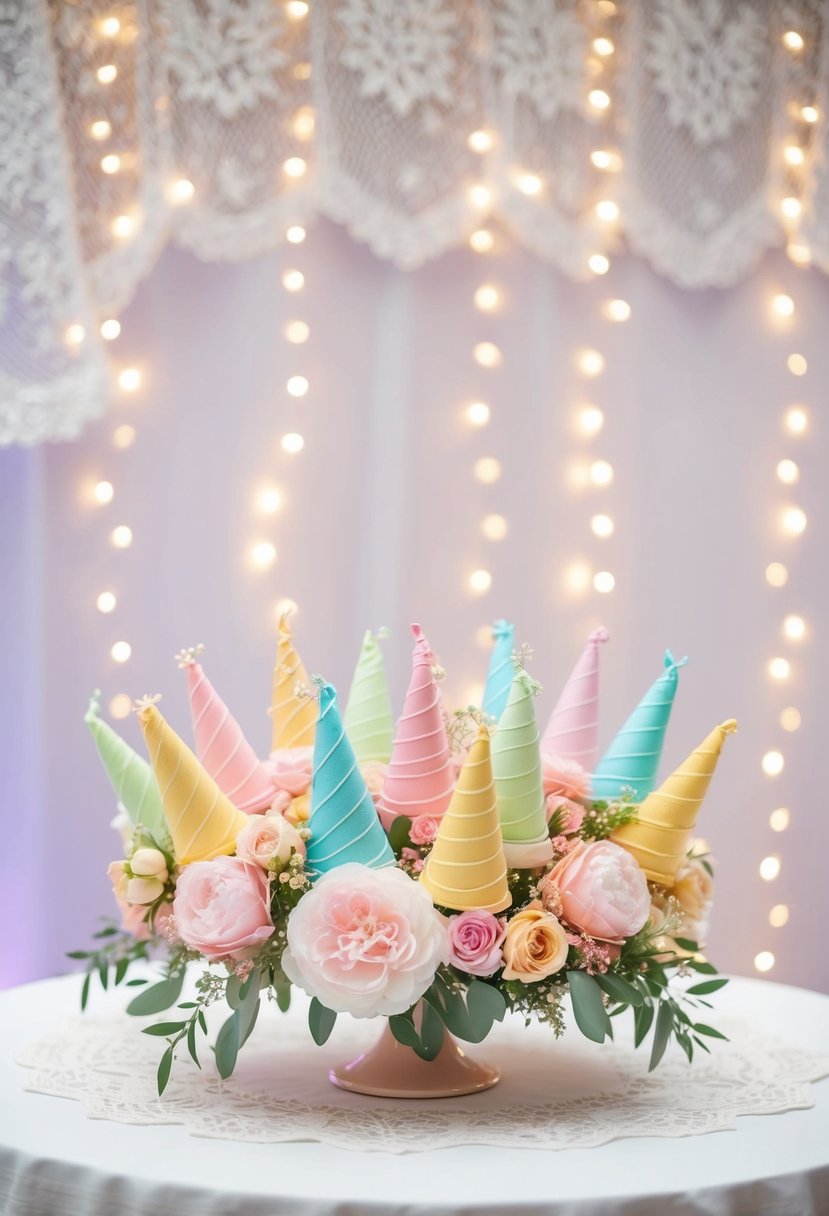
(54, 1160)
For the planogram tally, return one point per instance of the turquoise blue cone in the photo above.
(344, 824)
(632, 760)
(501, 669)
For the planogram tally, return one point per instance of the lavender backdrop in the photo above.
(381, 525)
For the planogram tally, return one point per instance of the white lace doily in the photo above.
(553, 1094)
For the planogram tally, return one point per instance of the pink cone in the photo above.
(223, 749)
(573, 729)
(420, 776)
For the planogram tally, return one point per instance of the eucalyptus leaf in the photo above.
(164, 1066)
(85, 991)
(121, 970)
(431, 1033)
(136, 983)
(191, 1042)
(701, 1028)
(158, 997)
(164, 1029)
(662, 1033)
(403, 1029)
(78, 954)
(618, 989)
(707, 986)
(642, 1022)
(485, 997)
(399, 834)
(588, 1006)
(687, 943)
(227, 1046)
(233, 994)
(320, 1021)
(283, 995)
(103, 973)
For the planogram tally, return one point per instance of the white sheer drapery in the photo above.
(219, 123)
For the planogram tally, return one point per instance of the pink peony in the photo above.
(424, 829)
(268, 838)
(290, 768)
(475, 940)
(222, 908)
(374, 774)
(603, 891)
(565, 778)
(365, 942)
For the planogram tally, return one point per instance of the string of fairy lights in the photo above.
(117, 164)
(797, 151)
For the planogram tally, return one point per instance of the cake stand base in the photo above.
(390, 1070)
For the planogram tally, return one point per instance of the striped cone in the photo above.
(466, 868)
(344, 824)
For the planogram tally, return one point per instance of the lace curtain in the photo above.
(689, 131)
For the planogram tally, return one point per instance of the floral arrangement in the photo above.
(439, 873)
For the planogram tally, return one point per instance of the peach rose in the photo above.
(693, 888)
(603, 891)
(267, 839)
(365, 942)
(535, 945)
(222, 908)
(299, 811)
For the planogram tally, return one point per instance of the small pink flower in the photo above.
(475, 940)
(603, 890)
(133, 920)
(424, 829)
(564, 778)
(407, 854)
(290, 768)
(222, 908)
(571, 815)
(268, 838)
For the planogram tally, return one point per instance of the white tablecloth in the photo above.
(53, 1159)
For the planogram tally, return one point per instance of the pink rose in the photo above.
(603, 890)
(290, 768)
(268, 838)
(133, 920)
(374, 774)
(365, 942)
(565, 778)
(424, 829)
(475, 940)
(118, 876)
(222, 908)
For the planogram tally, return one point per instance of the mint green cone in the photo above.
(368, 719)
(516, 765)
(130, 775)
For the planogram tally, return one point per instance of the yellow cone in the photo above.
(466, 867)
(294, 717)
(660, 835)
(203, 822)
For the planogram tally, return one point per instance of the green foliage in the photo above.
(399, 834)
(159, 996)
(115, 954)
(602, 818)
(588, 1006)
(320, 1021)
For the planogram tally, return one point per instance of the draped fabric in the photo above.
(220, 124)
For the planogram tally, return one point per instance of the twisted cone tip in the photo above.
(599, 635)
(92, 708)
(729, 727)
(672, 664)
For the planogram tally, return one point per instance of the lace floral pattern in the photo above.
(373, 103)
(540, 54)
(281, 1092)
(403, 49)
(707, 59)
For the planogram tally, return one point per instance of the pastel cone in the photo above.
(467, 867)
(573, 729)
(632, 760)
(516, 763)
(420, 776)
(130, 775)
(203, 822)
(223, 749)
(368, 718)
(294, 717)
(344, 824)
(660, 836)
(501, 669)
